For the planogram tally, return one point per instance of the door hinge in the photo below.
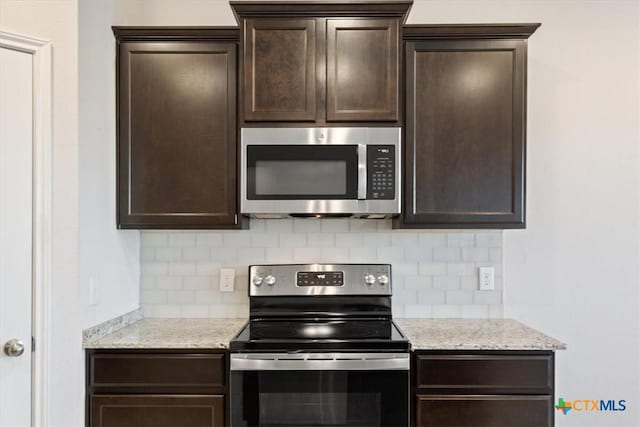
(33, 344)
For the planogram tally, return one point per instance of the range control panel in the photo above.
(381, 172)
(319, 279)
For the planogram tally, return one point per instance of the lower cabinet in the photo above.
(156, 411)
(483, 388)
(156, 388)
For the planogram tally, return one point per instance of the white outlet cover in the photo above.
(486, 280)
(227, 279)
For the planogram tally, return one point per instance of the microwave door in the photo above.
(304, 172)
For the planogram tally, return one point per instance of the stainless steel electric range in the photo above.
(320, 349)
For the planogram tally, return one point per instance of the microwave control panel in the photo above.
(381, 172)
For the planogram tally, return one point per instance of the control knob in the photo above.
(270, 280)
(383, 279)
(257, 280)
(369, 279)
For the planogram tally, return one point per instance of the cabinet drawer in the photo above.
(483, 411)
(479, 373)
(156, 411)
(157, 372)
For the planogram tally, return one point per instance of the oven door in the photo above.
(323, 389)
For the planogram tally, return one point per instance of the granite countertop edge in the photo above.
(423, 334)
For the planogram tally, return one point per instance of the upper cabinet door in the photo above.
(177, 135)
(280, 69)
(362, 69)
(465, 134)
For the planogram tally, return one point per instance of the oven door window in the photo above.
(320, 398)
(302, 172)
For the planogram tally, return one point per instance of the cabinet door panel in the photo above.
(156, 411)
(362, 69)
(483, 411)
(279, 70)
(177, 135)
(475, 373)
(465, 134)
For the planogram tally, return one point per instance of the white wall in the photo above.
(573, 272)
(57, 21)
(108, 257)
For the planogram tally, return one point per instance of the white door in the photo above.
(16, 141)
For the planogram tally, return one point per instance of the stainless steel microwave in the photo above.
(309, 172)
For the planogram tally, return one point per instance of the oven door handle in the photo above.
(362, 171)
(320, 362)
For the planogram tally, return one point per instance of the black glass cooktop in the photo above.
(319, 335)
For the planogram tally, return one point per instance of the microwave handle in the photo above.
(362, 171)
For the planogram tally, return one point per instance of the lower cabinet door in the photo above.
(157, 411)
(483, 411)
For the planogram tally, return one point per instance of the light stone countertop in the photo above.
(424, 334)
(160, 333)
(474, 334)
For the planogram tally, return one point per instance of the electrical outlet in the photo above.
(227, 279)
(485, 279)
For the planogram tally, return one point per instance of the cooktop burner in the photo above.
(319, 335)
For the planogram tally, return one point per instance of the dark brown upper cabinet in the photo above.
(465, 134)
(280, 70)
(177, 128)
(362, 69)
(321, 63)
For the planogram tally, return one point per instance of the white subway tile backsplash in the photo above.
(306, 226)
(307, 255)
(362, 225)
(182, 269)
(320, 240)
(489, 240)
(169, 282)
(238, 239)
(181, 297)
(184, 239)
(418, 282)
(209, 240)
(432, 269)
(279, 226)
(168, 254)
(196, 254)
(152, 239)
(432, 297)
(433, 240)
(447, 254)
(334, 225)
(293, 240)
(460, 240)
(348, 240)
(488, 297)
(461, 269)
(446, 282)
(475, 254)
(446, 311)
(459, 297)
(434, 273)
(404, 240)
(376, 240)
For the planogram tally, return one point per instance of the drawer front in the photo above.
(157, 372)
(477, 373)
(156, 411)
(483, 411)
